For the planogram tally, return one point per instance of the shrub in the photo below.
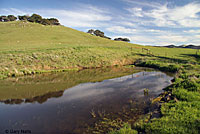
(1, 19)
(99, 33)
(91, 31)
(11, 17)
(24, 17)
(4, 18)
(38, 19)
(54, 21)
(45, 22)
(35, 18)
(122, 39)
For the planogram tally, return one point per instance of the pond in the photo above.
(69, 102)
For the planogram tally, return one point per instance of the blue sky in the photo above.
(146, 22)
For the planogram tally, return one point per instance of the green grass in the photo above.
(125, 130)
(180, 117)
(28, 48)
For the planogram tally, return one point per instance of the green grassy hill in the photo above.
(28, 48)
(29, 36)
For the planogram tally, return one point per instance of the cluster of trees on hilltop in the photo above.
(122, 39)
(33, 18)
(7, 18)
(98, 33)
(101, 34)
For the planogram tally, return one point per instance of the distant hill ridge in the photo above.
(183, 46)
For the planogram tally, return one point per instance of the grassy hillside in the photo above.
(32, 36)
(27, 48)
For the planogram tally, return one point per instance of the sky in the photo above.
(145, 22)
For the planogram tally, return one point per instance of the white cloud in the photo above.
(145, 4)
(172, 38)
(190, 23)
(162, 40)
(197, 36)
(121, 30)
(142, 39)
(126, 23)
(86, 16)
(163, 16)
(187, 11)
(136, 12)
(160, 17)
(195, 42)
(187, 15)
(191, 31)
(12, 11)
(83, 16)
(153, 31)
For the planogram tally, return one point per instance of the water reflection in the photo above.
(69, 111)
(40, 99)
(38, 85)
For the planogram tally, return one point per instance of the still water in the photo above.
(63, 102)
